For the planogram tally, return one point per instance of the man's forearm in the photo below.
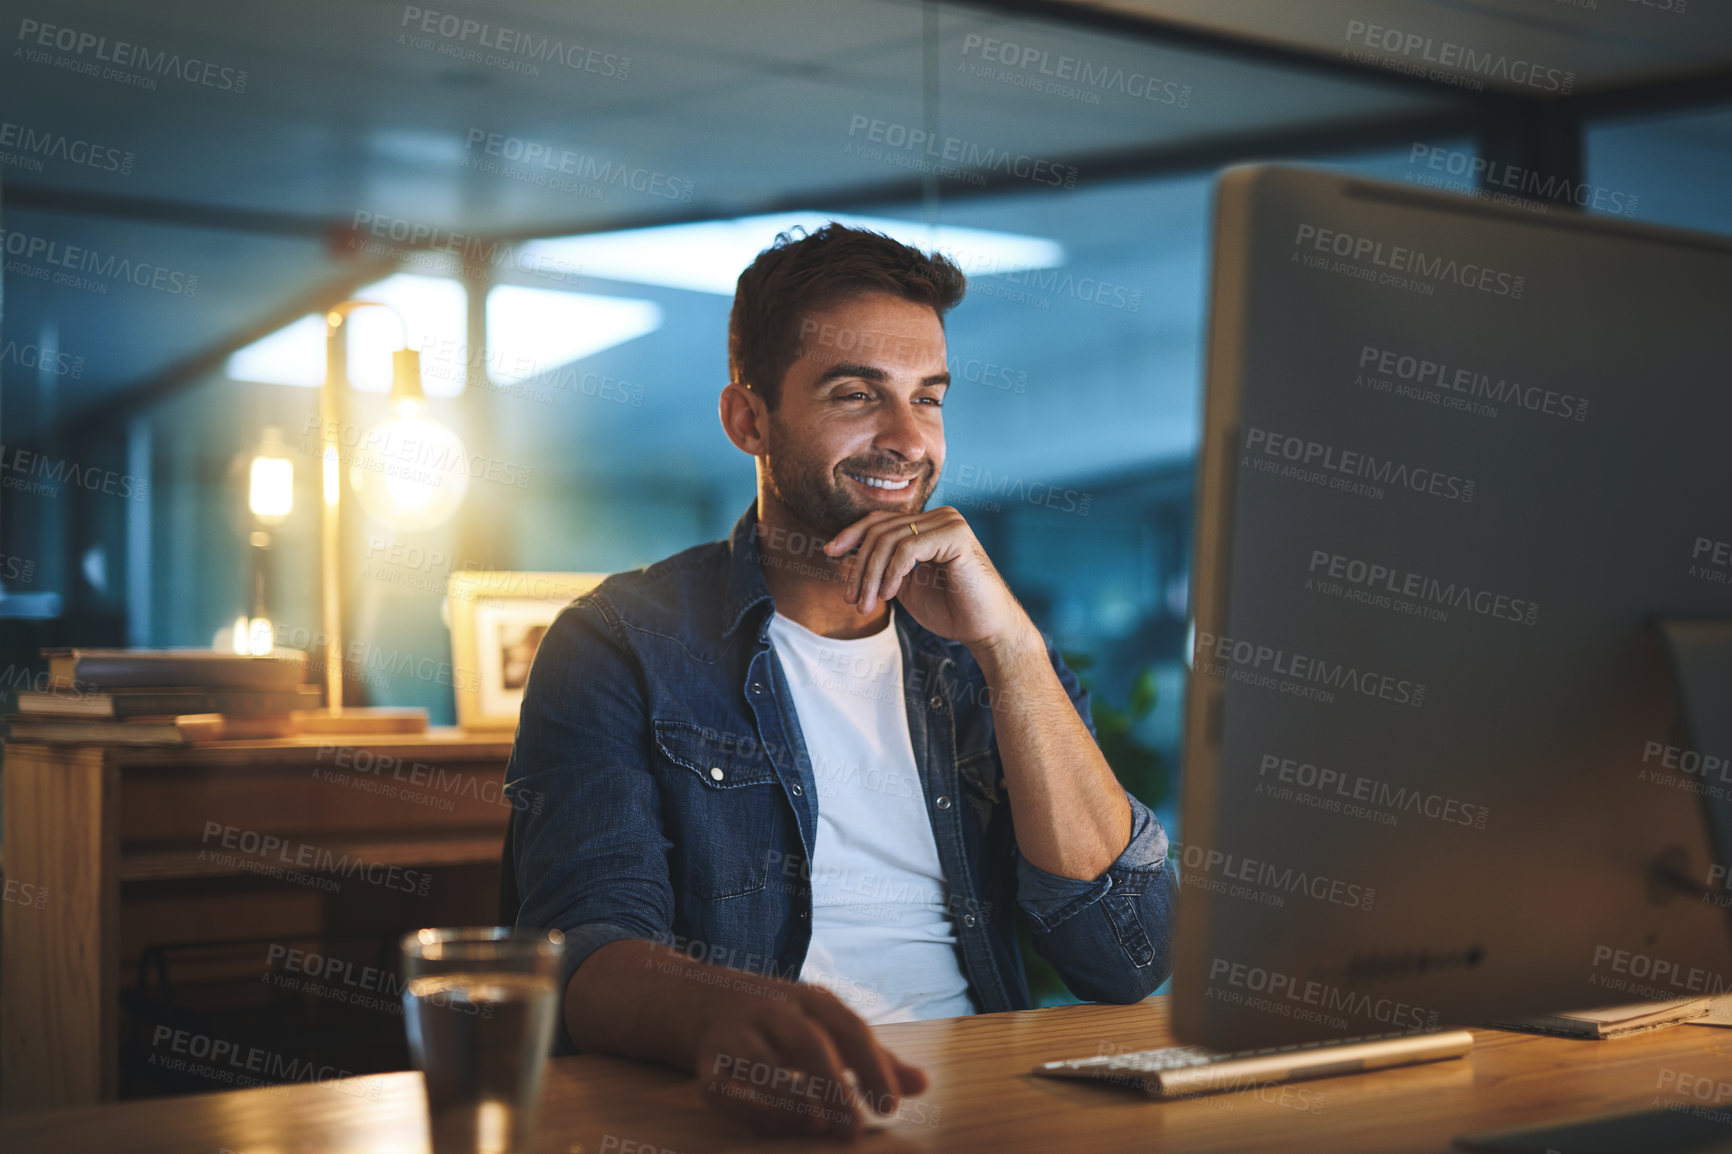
(758, 1045)
(1072, 818)
(640, 1000)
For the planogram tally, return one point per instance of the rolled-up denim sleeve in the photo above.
(588, 849)
(1110, 939)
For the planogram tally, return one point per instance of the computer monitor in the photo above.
(1464, 506)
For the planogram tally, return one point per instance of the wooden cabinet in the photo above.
(107, 848)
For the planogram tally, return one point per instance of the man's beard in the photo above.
(819, 497)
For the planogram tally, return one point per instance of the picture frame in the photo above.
(497, 622)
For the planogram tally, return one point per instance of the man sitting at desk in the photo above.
(832, 748)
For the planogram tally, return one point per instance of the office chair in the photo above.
(510, 902)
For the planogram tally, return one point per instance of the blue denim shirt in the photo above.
(673, 799)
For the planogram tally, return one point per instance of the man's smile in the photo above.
(876, 482)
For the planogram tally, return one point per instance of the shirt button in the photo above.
(969, 920)
(798, 792)
(804, 915)
(757, 687)
(935, 701)
(716, 772)
(943, 802)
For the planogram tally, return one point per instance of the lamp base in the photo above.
(363, 719)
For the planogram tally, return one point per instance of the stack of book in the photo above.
(1615, 1021)
(162, 697)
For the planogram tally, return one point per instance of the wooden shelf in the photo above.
(83, 821)
(205, 862)
(447, 743)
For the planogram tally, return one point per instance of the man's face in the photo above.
(859, 425)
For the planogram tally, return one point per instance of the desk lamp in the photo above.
(402, 471)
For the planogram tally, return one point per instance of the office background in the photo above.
(558, 200)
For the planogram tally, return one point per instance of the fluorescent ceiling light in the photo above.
(293, 355)
(413, 147)
(534, 331)
(435, 314)
(708, 256)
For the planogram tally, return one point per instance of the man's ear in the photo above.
(745, 419)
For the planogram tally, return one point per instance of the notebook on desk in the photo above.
(1719, 1014)
(1179, 1071)
(1612, 1021)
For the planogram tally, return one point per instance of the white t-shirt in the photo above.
(882, 936)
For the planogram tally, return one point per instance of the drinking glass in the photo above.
(480, 1004)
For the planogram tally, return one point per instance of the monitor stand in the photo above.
(1701, 658)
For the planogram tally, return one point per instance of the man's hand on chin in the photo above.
(776, 1059)
(934, 563)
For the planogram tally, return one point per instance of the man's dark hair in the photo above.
(799, 275)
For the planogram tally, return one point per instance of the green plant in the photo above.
(1139, 768)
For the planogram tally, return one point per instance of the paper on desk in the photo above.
(1612, 1021)
(1719, 1014)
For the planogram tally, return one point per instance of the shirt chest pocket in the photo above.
(977, 761)
(982, 782)
(720, 803)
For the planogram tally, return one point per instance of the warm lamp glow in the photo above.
(251, 637)
(271, 489)
(411, 474)
(271, 480)
(410, 471)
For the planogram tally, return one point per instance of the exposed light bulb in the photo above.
(410, 471)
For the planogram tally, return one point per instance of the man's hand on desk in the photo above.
(777, 1060)
(774, 1054)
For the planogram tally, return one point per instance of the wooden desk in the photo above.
(81, 820)
(981, 1099)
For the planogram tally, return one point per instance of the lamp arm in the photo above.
(338, 313)
(331, 477)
